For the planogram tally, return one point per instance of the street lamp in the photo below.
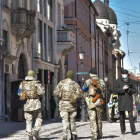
(106, 107)
(83, 110)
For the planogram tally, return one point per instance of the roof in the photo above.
(92, 5)
(102, 9)
(112, 16)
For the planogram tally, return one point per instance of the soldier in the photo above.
(32, 107)
(68, 91)
(94, 92)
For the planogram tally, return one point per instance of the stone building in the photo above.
(107, 21)
(35, 38)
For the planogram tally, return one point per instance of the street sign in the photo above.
(82, 73)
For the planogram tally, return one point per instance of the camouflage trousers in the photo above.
(66, 116)
(95, 121)
(29, 118)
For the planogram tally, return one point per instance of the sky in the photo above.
(128, 11)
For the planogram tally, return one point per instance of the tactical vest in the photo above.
(67, 89)
(92, 88)
(30, 88)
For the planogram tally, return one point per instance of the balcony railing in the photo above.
(64, 36)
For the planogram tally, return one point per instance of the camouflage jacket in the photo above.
(66, 86)
(101, 84)
(33, 104)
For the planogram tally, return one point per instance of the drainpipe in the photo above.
(98, 57)
(76, 41)
(103, 56)
(95, 38)
(90, 32)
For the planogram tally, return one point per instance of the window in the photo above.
(49, 4)
(39, 36)
(50, 48)
(5, 36)
(58, 16)
(92, 24)
(39, 6)
(24, 4)
(5, 3)
(45, 38)
(44, 3)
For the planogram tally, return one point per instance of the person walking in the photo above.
(53, 107)
(94, 90)
(30, 90)
(125, 88)
(138, 108)
(68, 91)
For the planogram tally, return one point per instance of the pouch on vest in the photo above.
(92, 90)
(23, 95)
(73, 98)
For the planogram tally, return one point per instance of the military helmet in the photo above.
(70, 74)
(31, 73)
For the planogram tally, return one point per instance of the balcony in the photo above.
(65, 41)
(67, 2)
(22, 23)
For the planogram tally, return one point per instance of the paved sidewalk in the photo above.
(17, 129)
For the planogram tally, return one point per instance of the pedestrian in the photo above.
(138, 108)
(125, 88)
(68, 91)
(94, 90)
(53, 107)
(29, 90)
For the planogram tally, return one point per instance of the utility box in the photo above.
(20, 115)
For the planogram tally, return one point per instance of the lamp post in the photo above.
(83, 110)
(106, 107)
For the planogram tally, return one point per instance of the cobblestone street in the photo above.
(110, 131)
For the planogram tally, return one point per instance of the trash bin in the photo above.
(20, 115)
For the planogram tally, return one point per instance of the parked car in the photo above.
(113, 112)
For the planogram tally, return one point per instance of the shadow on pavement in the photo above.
(18, 128)
(49, 138)
(110, 136)
(81, 138)
(130, 132)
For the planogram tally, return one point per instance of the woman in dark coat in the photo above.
(125, 88)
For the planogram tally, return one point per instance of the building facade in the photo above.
(35, 38)
(107, 21)
(80, 16)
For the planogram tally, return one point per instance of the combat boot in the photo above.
(36, 135)
(65, 137)
(74, 137)
(31, 138)
(94, 138)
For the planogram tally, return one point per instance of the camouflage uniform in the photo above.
(32, 107)
(94, 112)
(67, 110)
